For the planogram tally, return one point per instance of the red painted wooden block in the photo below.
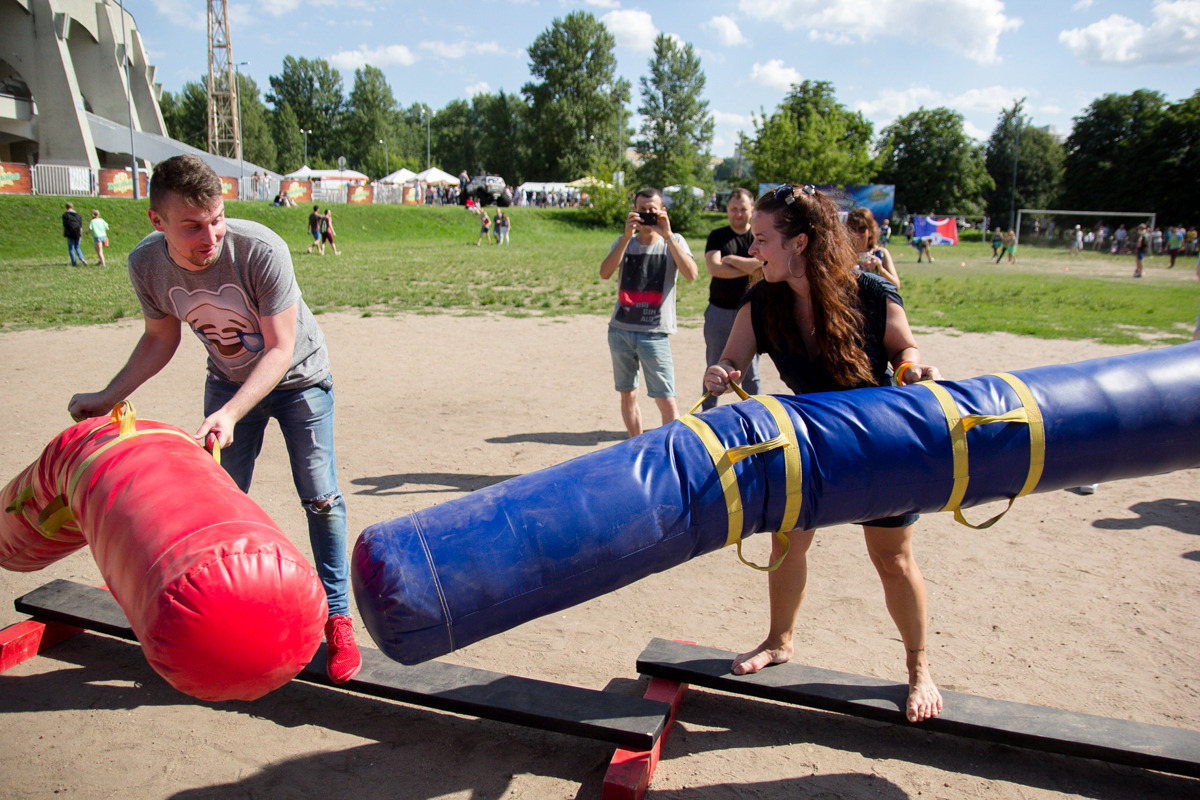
(24, 640)
(629, 772)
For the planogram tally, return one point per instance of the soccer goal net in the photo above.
(1103, 231)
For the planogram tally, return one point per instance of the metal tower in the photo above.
(224, 138)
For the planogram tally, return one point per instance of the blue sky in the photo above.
(885, 58)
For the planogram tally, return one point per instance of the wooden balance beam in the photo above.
(1050, 730)
(633, 723)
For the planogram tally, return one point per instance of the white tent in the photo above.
(436, 176)
(669, 191)
(304, 173)
(402, 175)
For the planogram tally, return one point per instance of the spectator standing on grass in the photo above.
(997, 243)
(99, 229)
(645, 258)
(727, 259)
(1175, 234)
(1008, 246)
(73, 231)
(327, 232)
(1141, 244)
(1120, 238)
(233, 283)
(485, 227)
(1196, 333)
(503, 226)
(1191, 240)
(1077, 241)
(885, 233)
(314, 230)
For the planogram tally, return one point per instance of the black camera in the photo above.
(649, 218)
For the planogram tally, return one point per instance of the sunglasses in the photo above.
(786, 192)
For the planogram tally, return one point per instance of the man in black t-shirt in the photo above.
(73, 231)
(727, 257)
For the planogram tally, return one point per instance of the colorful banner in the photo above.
(362, 194)
(411, 194)
(229, 188)
(119, 183)
(878, 198)
(299, 191)
(936, 230)
(15, 178)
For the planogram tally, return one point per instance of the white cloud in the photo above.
(604, 3)
(278, 8)
(892, 103)
(971, 28)
(385, 56)
(975, 132)
(774, 74)
(463, 49)
(631, 28)
(1082, 5)
(727, 31)
(725, 118)
(1116, 41)
(478, 88)
(182, 15)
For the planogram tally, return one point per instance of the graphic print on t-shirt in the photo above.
(643, 280)
(223, 320)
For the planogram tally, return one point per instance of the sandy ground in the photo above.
(1079, 602)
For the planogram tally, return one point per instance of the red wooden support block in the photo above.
(629, 772)
(24, 640)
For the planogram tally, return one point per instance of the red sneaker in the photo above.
(343, 659)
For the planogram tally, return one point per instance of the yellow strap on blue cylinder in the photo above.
(958, 425)
(723, 460)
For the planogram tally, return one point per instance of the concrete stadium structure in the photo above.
(67, 98)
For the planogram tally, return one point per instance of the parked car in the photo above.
(487, 190)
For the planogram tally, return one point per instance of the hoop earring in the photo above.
(789, 267)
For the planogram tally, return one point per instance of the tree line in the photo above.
(1135, 152)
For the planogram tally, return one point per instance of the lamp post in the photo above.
(129, 100)
(427, 115)
(306, 133)
(387, 165)
(237, 80)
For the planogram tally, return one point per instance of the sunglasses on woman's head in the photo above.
(786, 192)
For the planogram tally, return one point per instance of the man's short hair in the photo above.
(740, 191)
(648, 192)
(186, 177)
(70, 206)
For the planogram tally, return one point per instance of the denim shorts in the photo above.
(652, 351)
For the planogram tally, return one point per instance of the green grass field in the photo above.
(415, 259)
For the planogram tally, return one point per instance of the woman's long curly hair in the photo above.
(829, 265)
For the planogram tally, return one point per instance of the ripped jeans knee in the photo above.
(322, 505)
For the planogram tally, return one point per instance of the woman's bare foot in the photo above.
(924, 699)
(761, 656)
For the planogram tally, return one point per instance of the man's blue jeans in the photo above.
(305, 417)
(73, 250)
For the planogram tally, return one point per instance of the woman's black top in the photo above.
(804, 375)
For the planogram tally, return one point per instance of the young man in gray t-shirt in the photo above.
(645, 258)
(232, 282)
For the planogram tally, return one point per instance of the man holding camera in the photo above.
(647, 256)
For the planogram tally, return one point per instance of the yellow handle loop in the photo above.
(741, 393)
(958, 425)
(723, 460)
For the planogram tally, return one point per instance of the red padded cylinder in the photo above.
(223, 604)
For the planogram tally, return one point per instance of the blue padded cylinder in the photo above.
(456, 573)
